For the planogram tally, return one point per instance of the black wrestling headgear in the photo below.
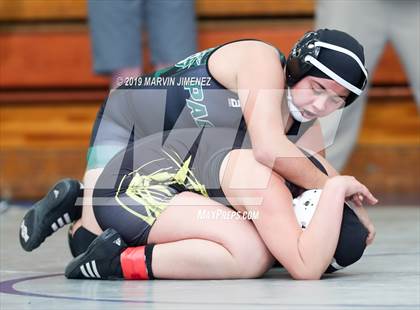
(329, 54)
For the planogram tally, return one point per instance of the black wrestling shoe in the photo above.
(49, 214)
(101, 259)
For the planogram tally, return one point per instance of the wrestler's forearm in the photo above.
(318, 241)
(290, 163)
(305, 254)
(322, 153)
(331, 171)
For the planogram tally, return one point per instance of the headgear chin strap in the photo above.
(294, 111)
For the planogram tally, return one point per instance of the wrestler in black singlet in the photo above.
(138, 182)
(146, 106)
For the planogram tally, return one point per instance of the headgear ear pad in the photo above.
(296, 66)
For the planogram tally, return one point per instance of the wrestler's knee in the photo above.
(254, 259)
(250, 253)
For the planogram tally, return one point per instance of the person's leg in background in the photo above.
(405, 36)
(354, 17)
(115, 28)
(172, 30)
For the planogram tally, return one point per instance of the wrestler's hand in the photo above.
(357, 199)
(363, 216)
(354, 188)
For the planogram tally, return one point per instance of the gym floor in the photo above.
(388, 276)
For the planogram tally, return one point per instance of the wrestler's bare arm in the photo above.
(260, 83)
(305, 254)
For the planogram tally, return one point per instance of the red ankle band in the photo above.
(133, 263)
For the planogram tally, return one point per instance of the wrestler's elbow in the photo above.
(265, 155)
(306, 275)
(304, 268)
(301, 271)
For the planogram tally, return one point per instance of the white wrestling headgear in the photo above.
(305, 206)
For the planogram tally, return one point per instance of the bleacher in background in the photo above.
(49, 95)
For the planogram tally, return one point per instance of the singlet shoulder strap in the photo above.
(281, 55)
(298, 129)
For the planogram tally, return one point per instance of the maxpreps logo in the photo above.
(234, 103)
